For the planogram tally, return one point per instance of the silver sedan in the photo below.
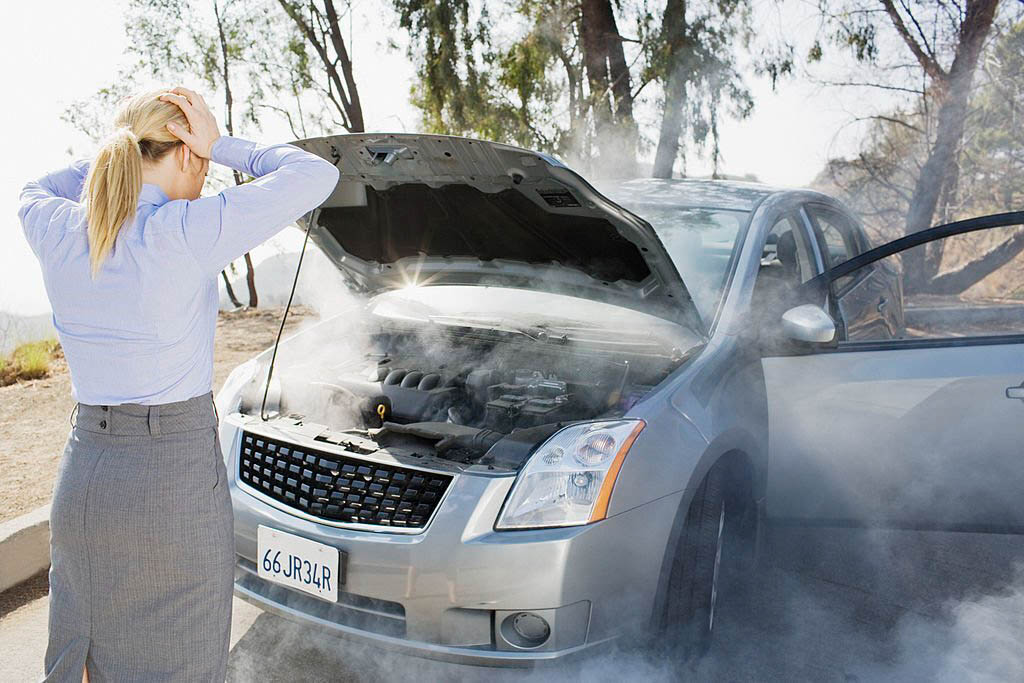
(559, 417)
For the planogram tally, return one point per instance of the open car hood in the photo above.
(432, 209)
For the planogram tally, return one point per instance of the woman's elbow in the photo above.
(28, 210)
(326, 179)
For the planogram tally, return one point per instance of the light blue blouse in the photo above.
(142, 330)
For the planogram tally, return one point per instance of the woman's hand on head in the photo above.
(200, 119)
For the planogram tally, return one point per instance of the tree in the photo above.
(561, 86)
(319, 25)
(611, 96)
(229, 50)
(992, 157)
(987, 173)
(568, 82)
(454, 93)
(693, 57)
(951, 87)
(943, 41)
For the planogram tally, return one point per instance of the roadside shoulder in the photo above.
(24, 547)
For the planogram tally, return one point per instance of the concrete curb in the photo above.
(24, 547)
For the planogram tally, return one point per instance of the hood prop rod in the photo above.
(284, 319)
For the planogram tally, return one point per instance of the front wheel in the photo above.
(710, 547)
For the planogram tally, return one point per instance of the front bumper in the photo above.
(445, 592)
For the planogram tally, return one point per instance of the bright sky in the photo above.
(64, 50)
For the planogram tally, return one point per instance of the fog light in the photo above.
(525, 629)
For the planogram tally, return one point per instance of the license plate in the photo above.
(298, 562)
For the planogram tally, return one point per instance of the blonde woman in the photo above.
(141, 527)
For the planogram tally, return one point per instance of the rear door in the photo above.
(914, 418)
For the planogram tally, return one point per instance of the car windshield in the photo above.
(700, 242)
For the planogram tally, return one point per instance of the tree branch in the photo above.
(891, 119)
(355, 108)
(287, 115)
(920, 31)
(867, 166)
(958, 280)
(334, 79)
(880, 86)
(927, 62)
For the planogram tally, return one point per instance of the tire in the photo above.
(711, 546)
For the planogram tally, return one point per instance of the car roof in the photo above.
(684, 192)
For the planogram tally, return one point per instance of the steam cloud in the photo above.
(823, 604)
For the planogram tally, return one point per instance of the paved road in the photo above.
(824, 605)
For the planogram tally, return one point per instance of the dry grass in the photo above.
(29, 361)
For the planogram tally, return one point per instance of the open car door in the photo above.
(912, 416)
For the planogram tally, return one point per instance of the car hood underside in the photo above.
(415, 210)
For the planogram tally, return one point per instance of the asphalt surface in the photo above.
(823, 605)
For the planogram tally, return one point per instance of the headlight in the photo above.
(230, 394)
(569, 479)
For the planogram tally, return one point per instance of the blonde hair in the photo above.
(115, 179)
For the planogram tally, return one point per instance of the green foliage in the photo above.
(859, 34)
(693, 55)
(850, 25)
(211, 45)
(992, 158)
(531, 88)
(543, 77)
(467, 85)
(815, 52)
(451, 91)
(29, 361)
(778, 61)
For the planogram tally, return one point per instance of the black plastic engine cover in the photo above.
(513, 450)
(510, 411)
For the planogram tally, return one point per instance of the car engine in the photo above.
(464, 396)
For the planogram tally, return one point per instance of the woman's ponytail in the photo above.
(115, 179)
(112, 193)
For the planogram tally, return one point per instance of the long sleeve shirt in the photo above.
(142, 331)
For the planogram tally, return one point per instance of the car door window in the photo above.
(964, 286)
(786, 253)
(838, 237)
(785, 262)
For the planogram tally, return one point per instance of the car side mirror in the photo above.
(808, 323)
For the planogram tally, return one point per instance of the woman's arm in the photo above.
(48, 200)
(289, 183)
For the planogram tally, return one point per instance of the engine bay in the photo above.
(462, 395)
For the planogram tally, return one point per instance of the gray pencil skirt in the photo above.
(142, 548)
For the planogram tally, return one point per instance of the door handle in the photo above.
(1015, 392)
(882, 303)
